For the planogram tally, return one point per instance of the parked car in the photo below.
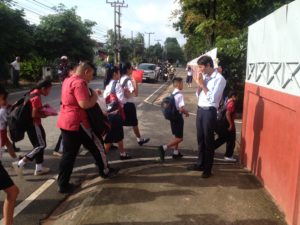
(150, 71)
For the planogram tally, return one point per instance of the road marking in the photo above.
(83, 152)
(140, 105)
(32, 197)
(147, 99)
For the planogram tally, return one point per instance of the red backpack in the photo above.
(112, 102)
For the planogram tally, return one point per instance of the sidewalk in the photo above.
(150, 192)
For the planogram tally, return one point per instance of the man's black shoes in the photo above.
(195, 167)
(69, 189)
(111, 173)
(161, 153)
(206, 175)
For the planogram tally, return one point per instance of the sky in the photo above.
(140, 16)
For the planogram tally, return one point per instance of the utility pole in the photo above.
(158, 42)
(149, 34)
(117, 4)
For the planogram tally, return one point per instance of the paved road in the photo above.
(49, 199)
(39, 195)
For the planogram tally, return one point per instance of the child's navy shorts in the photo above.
(177, 127)
(5, 181)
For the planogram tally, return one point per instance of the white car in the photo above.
(150, 71)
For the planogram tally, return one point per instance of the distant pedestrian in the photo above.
(16, 67)
(226, 128)
(6, 183)
(189, 77)
(210, 85)
(75, 127)
(63, 68)
(130, 88)
(177, 123)
(35, 131)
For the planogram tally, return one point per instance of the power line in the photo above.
(99, 25)
(25, 8)
(158, 41)
(40, 5)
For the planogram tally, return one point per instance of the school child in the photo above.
(177, 124)
(35, 131)
(130, 89)
(225, 128)
(6, 183)
(189, 77)
(115, 115)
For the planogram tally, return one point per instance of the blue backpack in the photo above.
(168, 107)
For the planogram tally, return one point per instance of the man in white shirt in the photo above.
(16, 71)
(210, 85)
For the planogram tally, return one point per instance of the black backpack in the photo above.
(20, 117)
(98, 121)
(168, 107)
(221, 112)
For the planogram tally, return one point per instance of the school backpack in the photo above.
(221, 112)
(20, 117)
(98, 121)
(168, 107)
(125, 82)
(112, 102)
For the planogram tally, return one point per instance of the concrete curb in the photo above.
(153, 98)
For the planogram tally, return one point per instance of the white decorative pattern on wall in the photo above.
(281, 76)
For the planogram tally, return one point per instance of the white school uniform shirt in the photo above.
(215, 85)
(179, 100)
(119, 91)
(129, 86)
(16, 65)
(3, 124)
(189, 72)
(3, 118)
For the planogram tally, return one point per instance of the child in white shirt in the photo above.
(176, 124)
(6, 183)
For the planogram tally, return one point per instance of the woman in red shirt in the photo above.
(75, 127)
(36, 132)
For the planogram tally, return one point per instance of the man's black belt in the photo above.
(207, 108)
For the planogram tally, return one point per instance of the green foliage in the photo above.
(32, 69)
(173, 51)
(65, 33)
(223, 24)
(131, 49)
(153, 54)
(16, 36)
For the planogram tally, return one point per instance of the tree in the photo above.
(64, 33)
(173, 52)
(211, 23)
(16, 36)
(154, 53)
(131, 49)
